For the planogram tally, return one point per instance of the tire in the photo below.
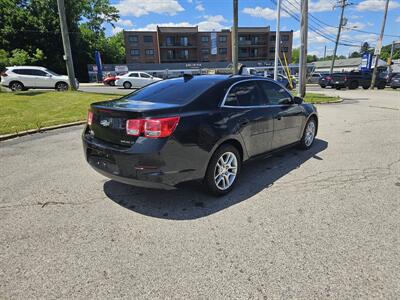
(62, 86)
(353, 85)
(394, 87)
(223, 183)
(309, 133)
(323, 86)
(381, 85)
(16, 86)
(365, 87)
(338, 88)
(112, 83)
(127, 85)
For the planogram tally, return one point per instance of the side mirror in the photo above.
(286, 101)
(297, 100)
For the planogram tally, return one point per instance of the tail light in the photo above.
(152, 128)
(89, 117)
(328, 77)
(3, 74)
(345, 78)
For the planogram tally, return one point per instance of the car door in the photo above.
(145, 79)
(26, 76)
(289, 117)
(244, 105)
(43, 79)
(134, 79)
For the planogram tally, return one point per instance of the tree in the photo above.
(355, 54)
(20, 57)
(296, 55)
(28, 25)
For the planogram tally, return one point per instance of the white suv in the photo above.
(20, 78)
(135, 80)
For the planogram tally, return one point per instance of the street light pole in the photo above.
(342, 5)
(235, 37)
(66, 45)
(379, 47)
(277, 39)
(303, 48)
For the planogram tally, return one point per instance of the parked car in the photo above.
(110, 80)
(352, 80)
(193, 128)
(389, 77)
(325, 81)
(314, 77)
(22, 78)
(284, 81)
(135, 80)
(395, 82)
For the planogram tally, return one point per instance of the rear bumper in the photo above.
(162, 165)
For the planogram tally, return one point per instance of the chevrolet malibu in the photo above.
(195, 128)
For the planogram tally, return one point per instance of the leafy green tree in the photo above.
(355, 54)
(296, 55)
(34, 24)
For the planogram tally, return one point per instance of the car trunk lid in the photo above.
(109, 118)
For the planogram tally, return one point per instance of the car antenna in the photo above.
(187, 77)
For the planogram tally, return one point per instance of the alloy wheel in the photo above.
(310, 133)
(225, 170)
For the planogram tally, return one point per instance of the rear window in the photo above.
(174, 91)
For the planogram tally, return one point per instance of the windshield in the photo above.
(51, 72)
(174, 91)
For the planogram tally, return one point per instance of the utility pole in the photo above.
(277, 39)
(235, 48)
(379, 46)
(342, 5)
(391, 57)
(303, 48)
(66, 45)
(324, 52)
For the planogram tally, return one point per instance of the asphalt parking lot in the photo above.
(323, 223)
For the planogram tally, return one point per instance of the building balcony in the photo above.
(177, 45)
(252, 44)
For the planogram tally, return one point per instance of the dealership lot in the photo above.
(315, 224)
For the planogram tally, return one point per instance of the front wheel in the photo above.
(61, 86)
(309, 134)
(381, 86)
(365, 87)
(223, 170)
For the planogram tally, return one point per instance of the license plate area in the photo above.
(102, 160)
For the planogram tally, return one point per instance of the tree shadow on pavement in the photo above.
(191, 200)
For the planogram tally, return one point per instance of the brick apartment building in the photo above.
(189, 45)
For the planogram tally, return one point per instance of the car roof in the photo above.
(26, 67)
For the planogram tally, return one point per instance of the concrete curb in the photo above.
(340, 100)
(38, 130)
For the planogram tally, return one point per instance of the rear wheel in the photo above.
(365, 87)
(16, 86)
(309, 134)
(322, 86)
(223, 170)
(112, 83)
(381, 85)
(61, 86)
(127, 85)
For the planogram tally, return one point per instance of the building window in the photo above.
(183, 41)
(184, 54)
(135, 52)
(285, 49)
(271, 49)
(242, 38)
(222, 51)
(170, 54)
(285, 38)
(170, 40)
(133, 39)
(272, 38)
(204, 39)
(222, 38)
(205, 51)
(148, 39)
(149, 52)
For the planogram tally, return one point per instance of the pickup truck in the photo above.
(353, 80)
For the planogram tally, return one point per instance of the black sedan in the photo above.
(395, 81)
(192, 128)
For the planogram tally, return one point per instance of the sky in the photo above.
(364, 15)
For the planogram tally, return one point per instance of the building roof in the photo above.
(254, 29)
(193, 29)
(342, 63)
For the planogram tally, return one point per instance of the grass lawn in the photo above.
(37, 109)
(319, 98)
